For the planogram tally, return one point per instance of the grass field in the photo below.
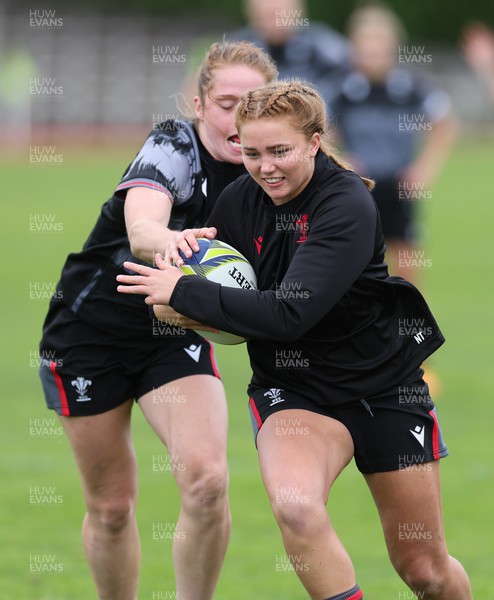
(36, 458)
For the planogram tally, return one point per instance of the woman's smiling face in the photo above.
(278, 157)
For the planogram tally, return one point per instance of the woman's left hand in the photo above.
(157, 284)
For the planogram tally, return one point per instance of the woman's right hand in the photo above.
(186, 242)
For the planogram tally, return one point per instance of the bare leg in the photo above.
(298, 471)
(103, 450)
(409, 505)
(194, 429)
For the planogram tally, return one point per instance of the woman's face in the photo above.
(375, 50)
(278, 157)
(215, 114)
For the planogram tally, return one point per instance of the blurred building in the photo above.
(125, 71)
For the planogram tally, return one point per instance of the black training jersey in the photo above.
(327, 321)
(382, 124)
(171, 161)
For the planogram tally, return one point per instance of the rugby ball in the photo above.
(219, 262)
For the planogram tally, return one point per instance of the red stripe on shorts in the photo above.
(255, 412)
(435, 435)
(213, 360)
(63, 396)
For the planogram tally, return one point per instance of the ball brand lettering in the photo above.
(239, 278)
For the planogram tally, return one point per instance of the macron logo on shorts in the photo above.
(418, 434)
(194, 352)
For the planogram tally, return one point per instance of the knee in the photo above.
(111, 514)
(204, 487)
(297, 515)
(424, 575)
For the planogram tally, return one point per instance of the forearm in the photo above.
(166, 314)
(148, 237)
(248, 313)
(316, 280)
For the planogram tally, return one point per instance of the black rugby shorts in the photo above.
(390, 432)
(86, 371)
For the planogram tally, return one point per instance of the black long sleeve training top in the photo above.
(327, 320)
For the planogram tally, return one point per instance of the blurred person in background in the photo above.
(300, 48)
(395, 127)
(110, 353)
(478, 49)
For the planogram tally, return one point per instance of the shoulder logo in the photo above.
(81, 385)
(194, 352)
(418, 434)
(302, 228)
(258, 243)
(274, 394)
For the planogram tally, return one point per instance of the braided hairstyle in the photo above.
(301, 103)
